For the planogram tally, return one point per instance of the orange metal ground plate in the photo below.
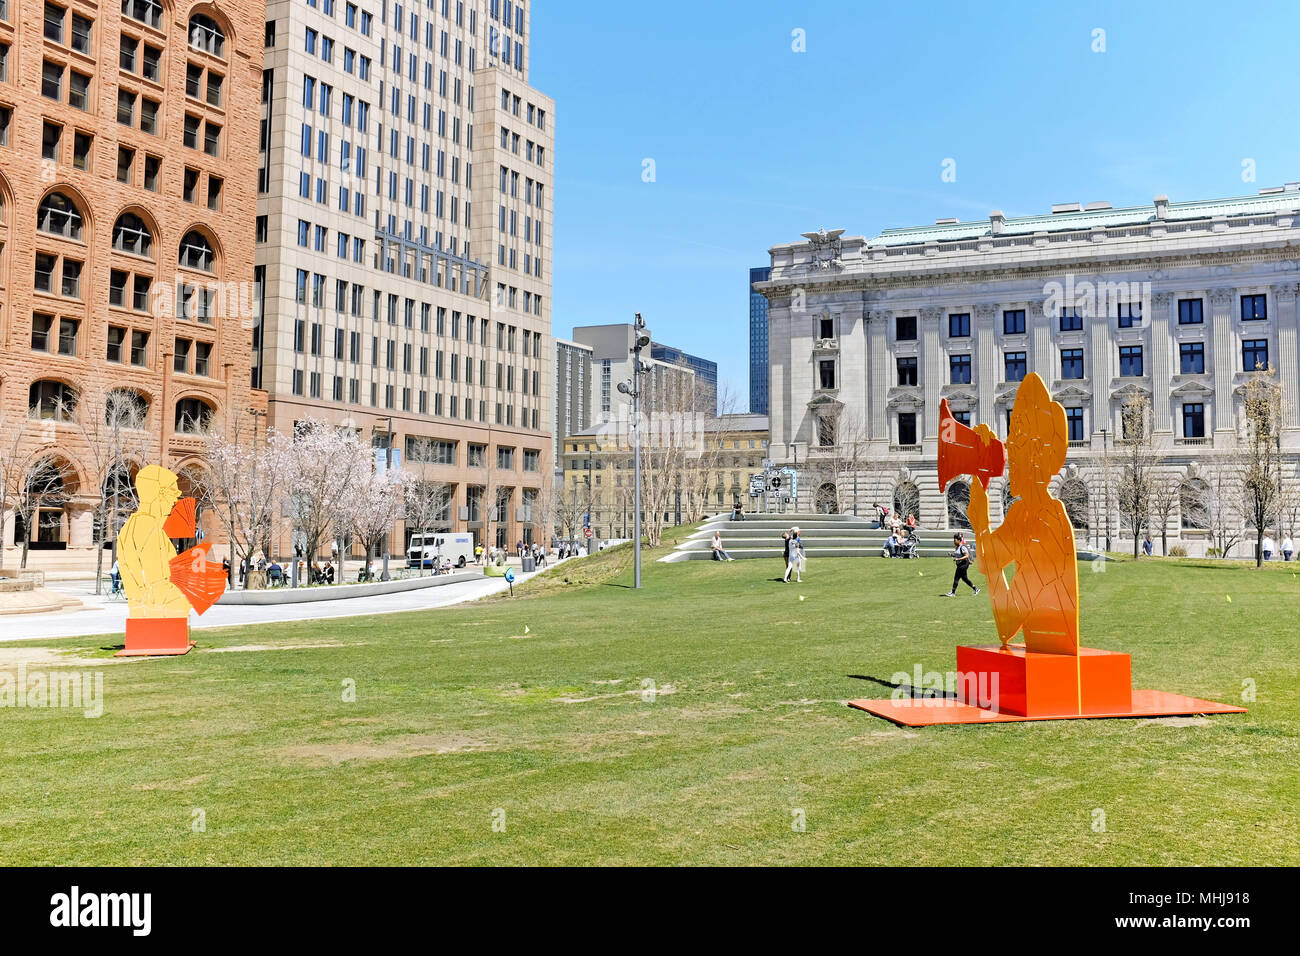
(926, 711)
(156, 637)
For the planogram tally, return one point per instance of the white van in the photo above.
(425, 548)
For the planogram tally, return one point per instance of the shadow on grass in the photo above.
(916, 693)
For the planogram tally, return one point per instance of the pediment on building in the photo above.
(1128, 392)
(959, 396)
(1005, 393)
(824, 404)
(1071, 393)
(905, 396)
(1191, 387)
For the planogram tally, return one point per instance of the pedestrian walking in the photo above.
(1268, 547)
(960, 557)
(1147, 545)
(1287, 547)
(800, 555)
(787, 551)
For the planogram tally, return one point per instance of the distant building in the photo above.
(611, 361)
(758, 342)
(572, 391)
(706, 373)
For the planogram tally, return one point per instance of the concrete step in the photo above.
(704, 542)
(774, 554)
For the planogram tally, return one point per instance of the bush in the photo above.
(1178, 551)
(1214, 553)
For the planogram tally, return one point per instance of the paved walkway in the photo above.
(110, 617)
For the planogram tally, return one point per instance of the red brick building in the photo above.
(128, 151)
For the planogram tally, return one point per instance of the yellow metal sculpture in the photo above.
(1036, 538)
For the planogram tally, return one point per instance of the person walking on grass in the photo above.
(800, 555)
(719, 553)
(960, 557)
(1287, 547)
(787, 550)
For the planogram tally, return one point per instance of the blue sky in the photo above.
(754, 143)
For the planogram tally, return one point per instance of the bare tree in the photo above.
(241, 485)
(43, 486)
(1214, 502)
(1136, 475)
(1164, 505)
(112, 423)
(838, 458)
(10, 479)
(428, 503)
(1260, 455)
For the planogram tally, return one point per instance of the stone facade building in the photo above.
(404, 238)
(128, 140)
(1178, 303)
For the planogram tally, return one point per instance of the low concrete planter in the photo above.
(338, 592)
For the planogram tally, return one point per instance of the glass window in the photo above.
(1193, 420)
(1016, 366)
(905, 328)
(1254, 307)
(1130, 315)
(1130, 360)
(959, 369)
(907, 370)
(959, 325)
(1074, 423)
(1192, 357)
(1254, 354)
(907, 428)
(1190, 312)
(1071, 363)
(1013, 322)
(1071, 320)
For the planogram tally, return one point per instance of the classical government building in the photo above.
(1177, 302)
(404, 243)
(128, 144)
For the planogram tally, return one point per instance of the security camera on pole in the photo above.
(640, 340)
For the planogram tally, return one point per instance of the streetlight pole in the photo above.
(640, 340)
(1105, 484)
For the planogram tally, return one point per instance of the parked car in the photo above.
(425, 549)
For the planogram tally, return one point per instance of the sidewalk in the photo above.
(110, 618)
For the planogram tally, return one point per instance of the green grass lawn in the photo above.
(534, 706)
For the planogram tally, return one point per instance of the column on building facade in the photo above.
(1162, 359)
(877, 415)
(853, 363)
(81, 526)
(778, 356)
(1102, 354)
(987, 374)
(1224, 357)
(1041, 357)
(1288, 361)
(932, 377)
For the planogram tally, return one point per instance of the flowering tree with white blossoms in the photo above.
(240, 484)
(378, 501)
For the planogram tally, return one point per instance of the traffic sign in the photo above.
(588, 531)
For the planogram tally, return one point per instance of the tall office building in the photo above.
(572, 392)
(404, 238)
(668, 385)
(706, 373)
(758, 362)
(1177, 304)
(127, 157)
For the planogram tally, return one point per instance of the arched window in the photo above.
(51, 401)
(826, 501)
(907, 500)
(125, 408)
(196, 252)
(205, 35)
(131, 235)
(1194, 503)
(1073, 493)
(958, 498)
(59, 216)
(193, 416)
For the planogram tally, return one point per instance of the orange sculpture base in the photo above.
(1026, 683)
(156, 637)
(1005, 684)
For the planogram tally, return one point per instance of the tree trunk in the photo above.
(1259, 547)
(99, 563)
(1164, 543)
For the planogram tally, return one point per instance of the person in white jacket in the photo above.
(719, 554)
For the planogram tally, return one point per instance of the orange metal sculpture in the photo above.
(160, 585)
(1049, 675)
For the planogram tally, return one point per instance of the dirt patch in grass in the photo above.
(44, 656)
(396, 748)
(1176, 722)
(173, 784)
(657, 692)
